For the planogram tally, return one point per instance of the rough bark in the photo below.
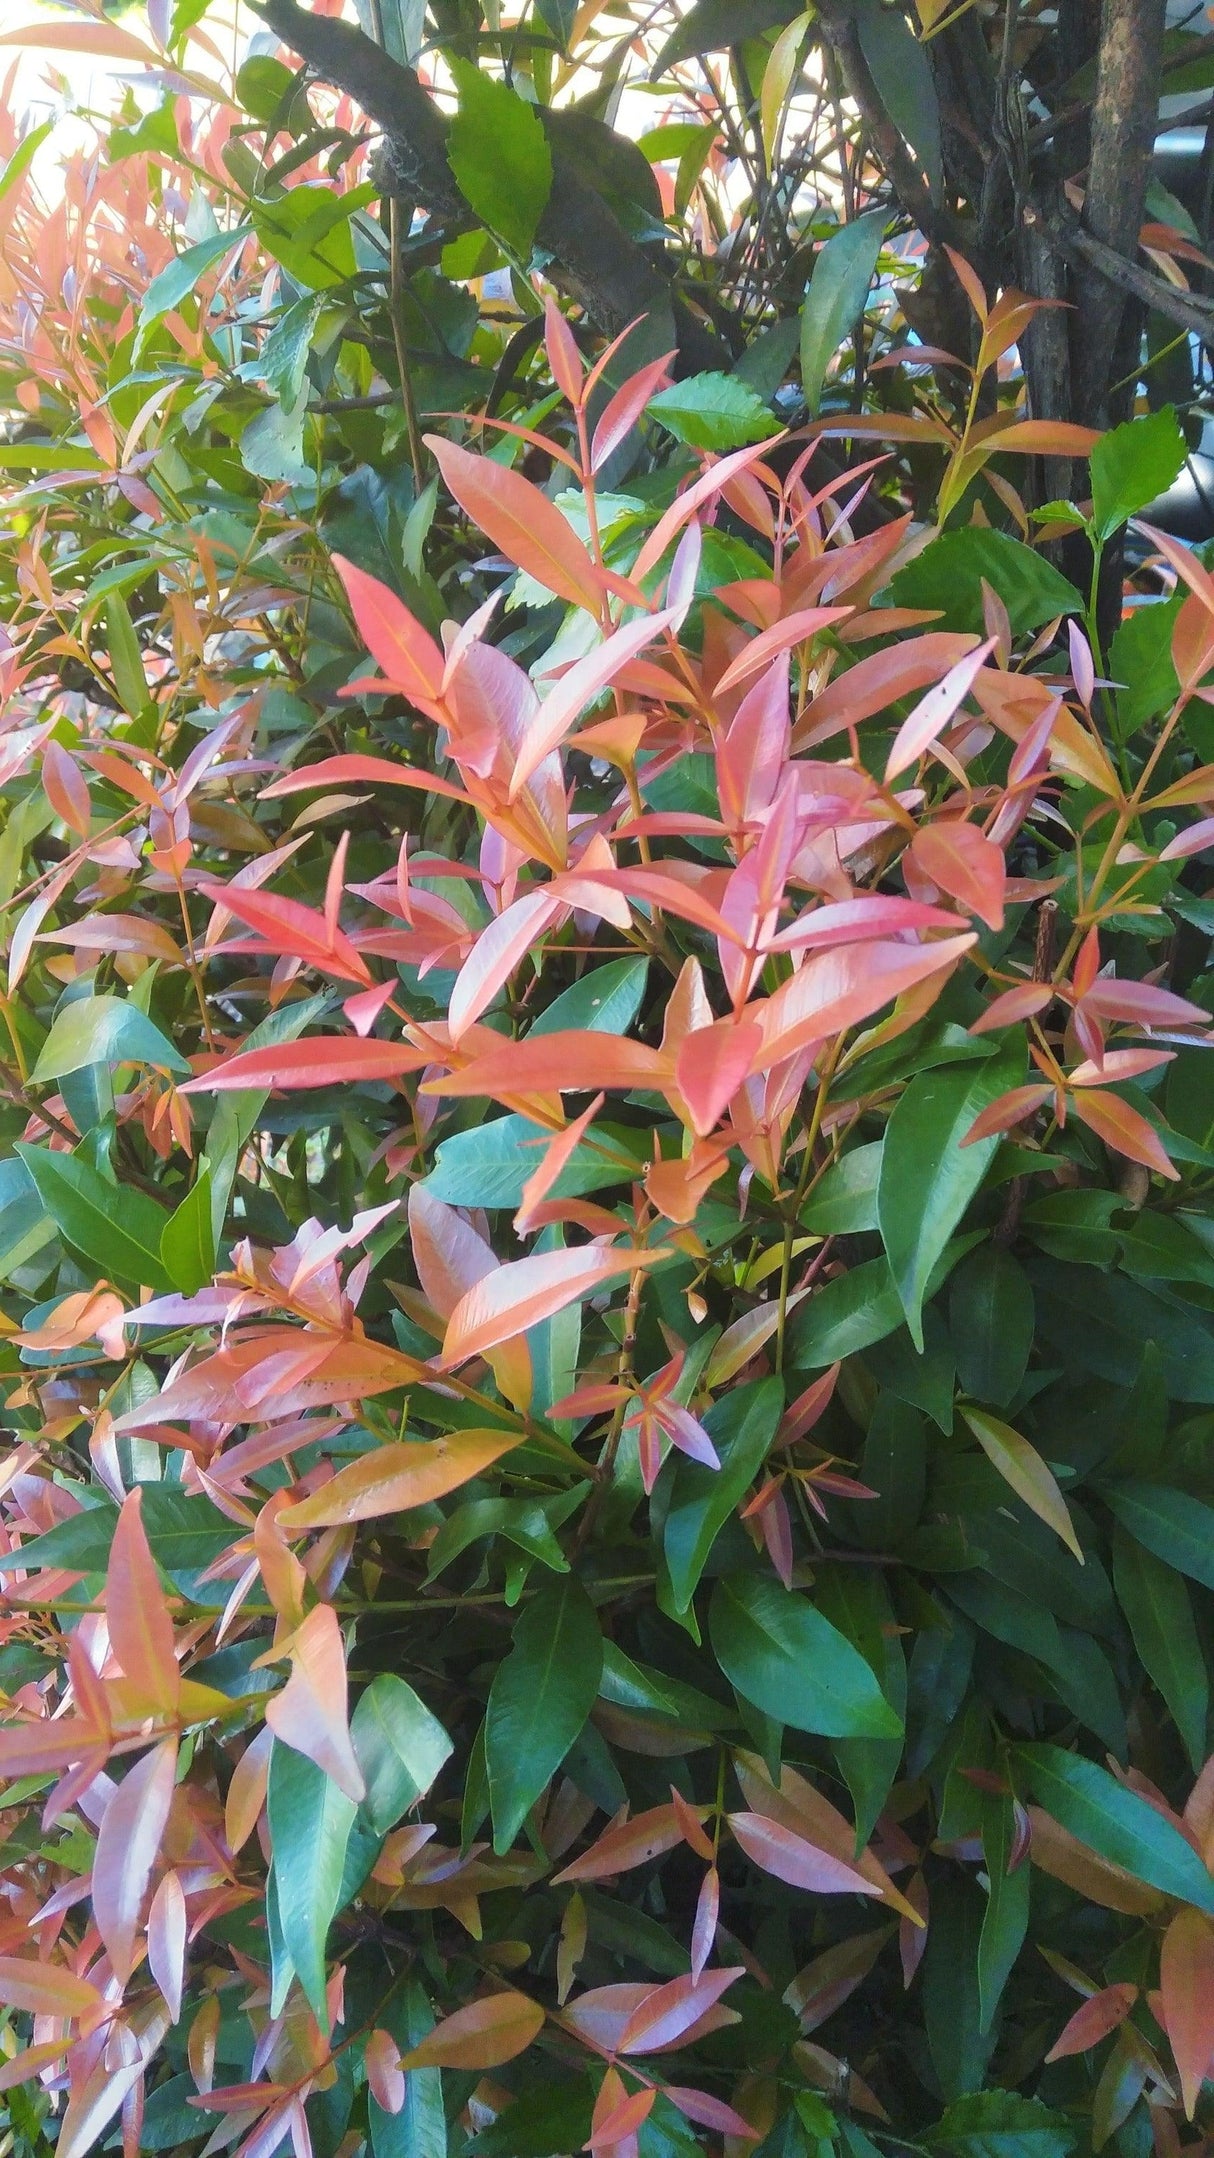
(600, 265)
(1124, 124)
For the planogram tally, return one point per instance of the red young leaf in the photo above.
(780, 1851)
(1094, 2020)
(528, 528)
(128, 1845)
(668, 2012)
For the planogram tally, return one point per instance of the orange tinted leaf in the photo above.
(521, 1294)
(794, 629)
(560, 1062)
(498, 950)
(622, 410)
(1123, 1129)
(484, 2035)
(385, 2075)
(962, 861)
(1186, 1983)
(934, 711)
(128, 1845)
(780, 1851)
(410, 659)
(310, 1713)
(704, 1928)
(1094, 2020)
(393, 1478)
(1021, 1466)
(325, 1060)
(584, 681)
(618, 2113)
(45, 1989)
(712, 1063)
(1044, 438)
(836, 989)
(65, 789)
(710, 2112)
(247, 1790)
(291, 928)
(529, 529)
(626, 1844)
(166, 1941)
(141, 1631)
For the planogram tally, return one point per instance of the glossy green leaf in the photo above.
(780, 1653)
(540, 1698)
(1115, 1821)
(118, 1229)
(1159, 1612)
(104, 1030)
(843, 271)
(605, 1001)
(419, 2130)
(845, 1202)
(310, 1822)
(700, 1500)
(400, 1748)
(900, 67)
(928, 1177)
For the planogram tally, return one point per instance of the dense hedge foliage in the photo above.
(606, 1268)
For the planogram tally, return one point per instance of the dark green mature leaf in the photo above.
(713, 412)
(1005, 1925)
(400, 1748)
(1100, 1323)
(540, 1698)
(700, 1500)
(310, 1823)
(845, 1315)
(952, 2007)
(499, 154)
(185, 1532)
(711, 25)
(948, 576)
(845, 1202)
(900, 67)
(1115, 1821)
(990, 1311)
(1133, 464)
(928, 1174)
(1176, 1527)
(1001, 2124)
(1159, 1611)
(419, 2130)
(842, 273)
(119, 1230)
(780, 1653)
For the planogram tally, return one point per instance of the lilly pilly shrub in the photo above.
(610, 1344)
